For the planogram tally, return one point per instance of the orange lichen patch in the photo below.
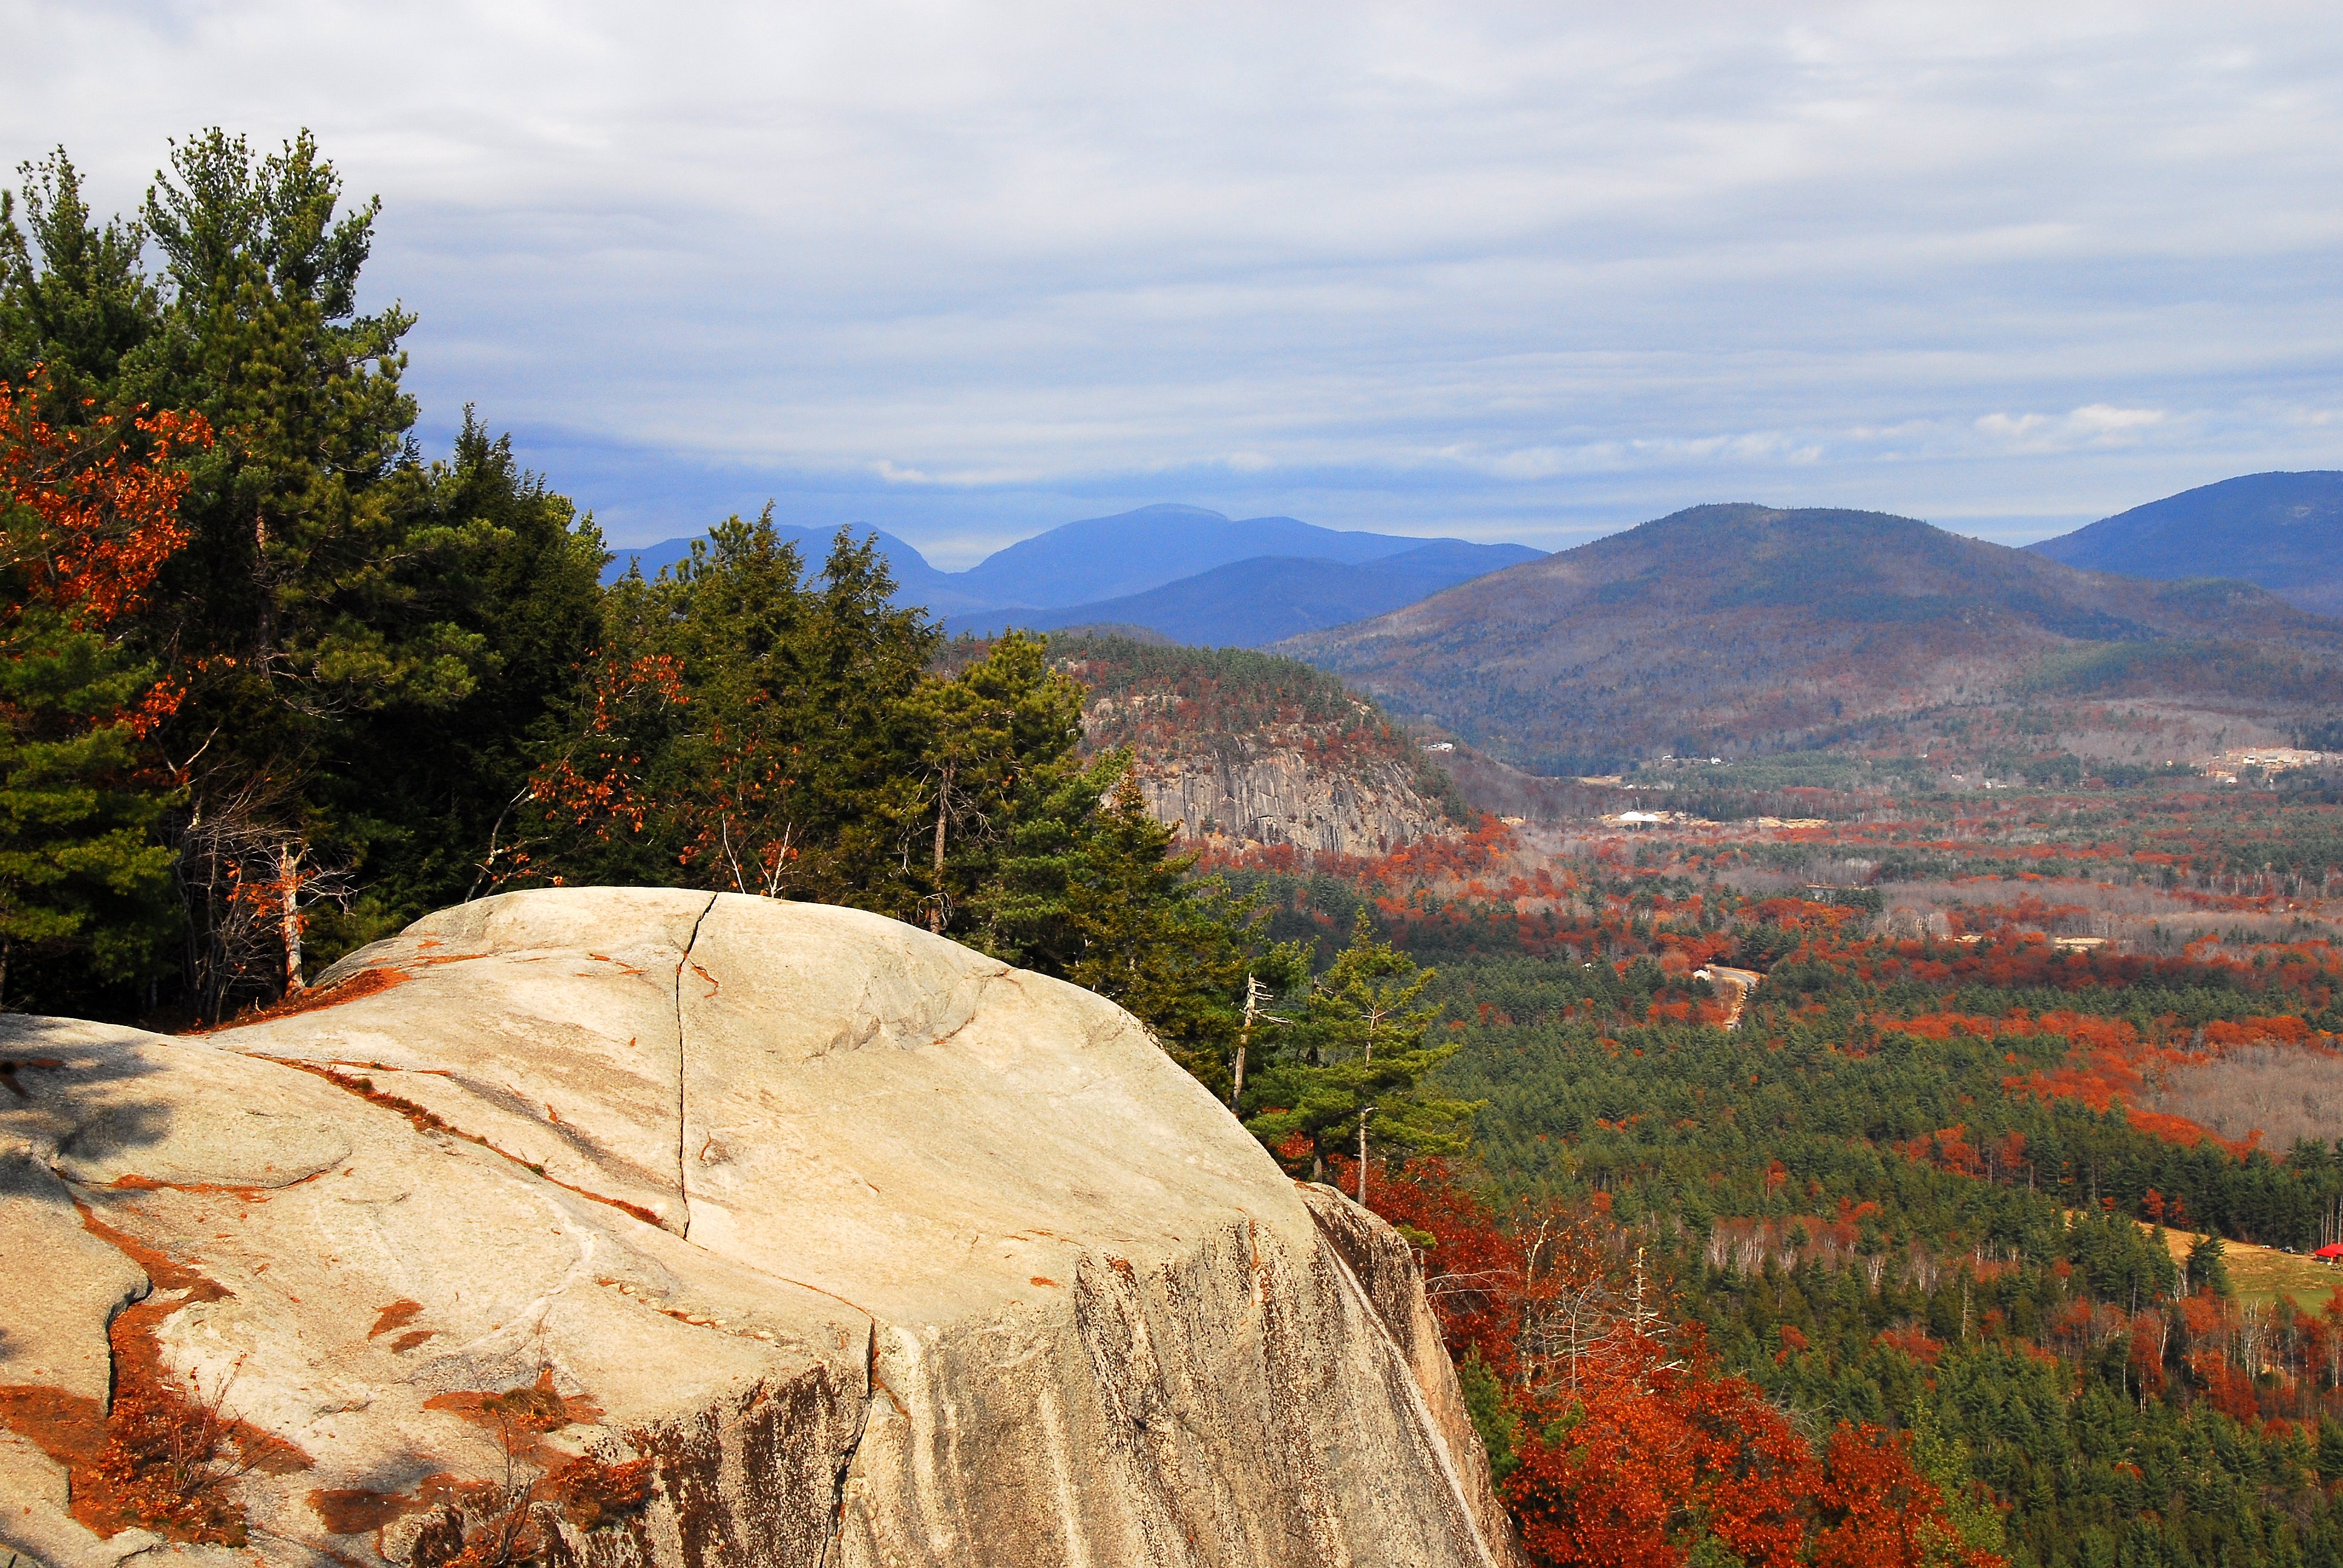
(427, 1120)
(167, 1272)
(353, 1510)
(136, 1183)
(387, 1066)
(359, 986)
(164, 1457)
(1045, 1279)
(408, 1341)
(69, 1428)
(594, 1492)
(536, 1407)
(634, 1211)
(396, 1315)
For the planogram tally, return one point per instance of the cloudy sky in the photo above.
(1530, 272)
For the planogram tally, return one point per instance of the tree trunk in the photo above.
(1244, 1038)
(1370, 1111)
(944, 801)
(288, 878)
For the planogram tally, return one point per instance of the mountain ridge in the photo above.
(1738, 629)
(1088, 562)
(2282, 531)
(1265, 598)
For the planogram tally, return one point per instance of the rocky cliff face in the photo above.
(1251, 791)
(629, 1228)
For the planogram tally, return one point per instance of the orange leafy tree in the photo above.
(88, 515)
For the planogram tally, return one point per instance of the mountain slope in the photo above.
(1129, 553)
(2283, 532)
(1251, 603)
(1737, 629)
(1247, 748)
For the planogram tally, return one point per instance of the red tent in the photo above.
(2330, 1252)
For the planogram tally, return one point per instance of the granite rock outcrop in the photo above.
(1242, 791)
(652, 1228)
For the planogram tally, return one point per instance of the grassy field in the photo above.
(2264, 1273)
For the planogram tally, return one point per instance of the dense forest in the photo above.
(1905, 1189)
(2016, 1151)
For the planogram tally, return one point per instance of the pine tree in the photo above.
(362, 640)
(84, 525)
(1350, 1077)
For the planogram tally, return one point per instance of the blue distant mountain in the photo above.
(918, 582)
(2283, 532)
(1111, 558)
(1102, 560)
(1255, 602)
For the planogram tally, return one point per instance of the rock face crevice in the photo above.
(937, 1262)
(682, 1117)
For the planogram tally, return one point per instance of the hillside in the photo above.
(1248, 749)
(1745, 630)
(1267, 598)
(2283, 532)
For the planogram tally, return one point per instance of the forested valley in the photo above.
(1929, 1182)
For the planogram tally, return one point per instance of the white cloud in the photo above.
(1495, 262)
(2093, 423)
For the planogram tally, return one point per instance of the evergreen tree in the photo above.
(83, 527)
(2206, 1271)
(362, 640)
(745, 730)
(74, 300)
(1350, 1076)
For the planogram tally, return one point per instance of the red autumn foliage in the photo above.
(103, 500)
(90, 513)
(1634, 1447)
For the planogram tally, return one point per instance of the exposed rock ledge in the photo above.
(880, 1251)
(1246, 792)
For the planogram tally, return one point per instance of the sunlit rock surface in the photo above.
(878, 1250)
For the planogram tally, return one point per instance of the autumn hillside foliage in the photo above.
(1617, 1437)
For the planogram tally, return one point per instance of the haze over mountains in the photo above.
(1265, 598)
(1188, 574)
(2283, 532)
(1743, 629)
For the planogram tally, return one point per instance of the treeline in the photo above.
(277, 685)
(273, 685)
